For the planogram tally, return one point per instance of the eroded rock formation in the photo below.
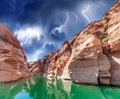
(92, 56)
(13, 64)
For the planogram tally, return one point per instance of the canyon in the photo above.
(91, 57)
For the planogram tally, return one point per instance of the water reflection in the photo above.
(41, 88)
(46, 89)
(22, 95)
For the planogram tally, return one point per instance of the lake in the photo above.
(41, 88)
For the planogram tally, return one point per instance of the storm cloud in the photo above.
(42, 25)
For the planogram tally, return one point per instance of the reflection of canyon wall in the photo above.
(42, 88)
(9, 91)
(92, 56)
(13, 64)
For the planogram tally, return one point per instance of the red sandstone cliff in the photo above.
(91, 57)
(13, 64)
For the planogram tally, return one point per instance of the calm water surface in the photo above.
(41, 88)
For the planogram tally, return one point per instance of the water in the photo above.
(41, 88)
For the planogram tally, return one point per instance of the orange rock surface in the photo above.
(13, 64)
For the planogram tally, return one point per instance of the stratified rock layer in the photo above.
(84, 60)
(13, 65)
(92, 56)
(114, 43)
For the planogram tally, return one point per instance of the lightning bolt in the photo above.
(66, 21)
(68, 14)
(103, 3)
(76, 16)
(63, 25)
(84, 11)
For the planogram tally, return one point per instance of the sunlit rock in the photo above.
(13, 64)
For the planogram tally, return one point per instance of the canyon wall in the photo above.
(13, 64)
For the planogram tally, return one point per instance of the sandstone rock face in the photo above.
(35, 68)
(53, 64)
(92, 56)
(114, 59)
(59, 60)
(13, 65)
(114, 43)
(104, 70)
(84, 60)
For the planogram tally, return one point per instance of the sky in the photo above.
(42, 26)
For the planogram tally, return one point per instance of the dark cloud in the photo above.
(34, 11)
(31, 48)
(56, 34)
(50, 48)
(59, 20)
